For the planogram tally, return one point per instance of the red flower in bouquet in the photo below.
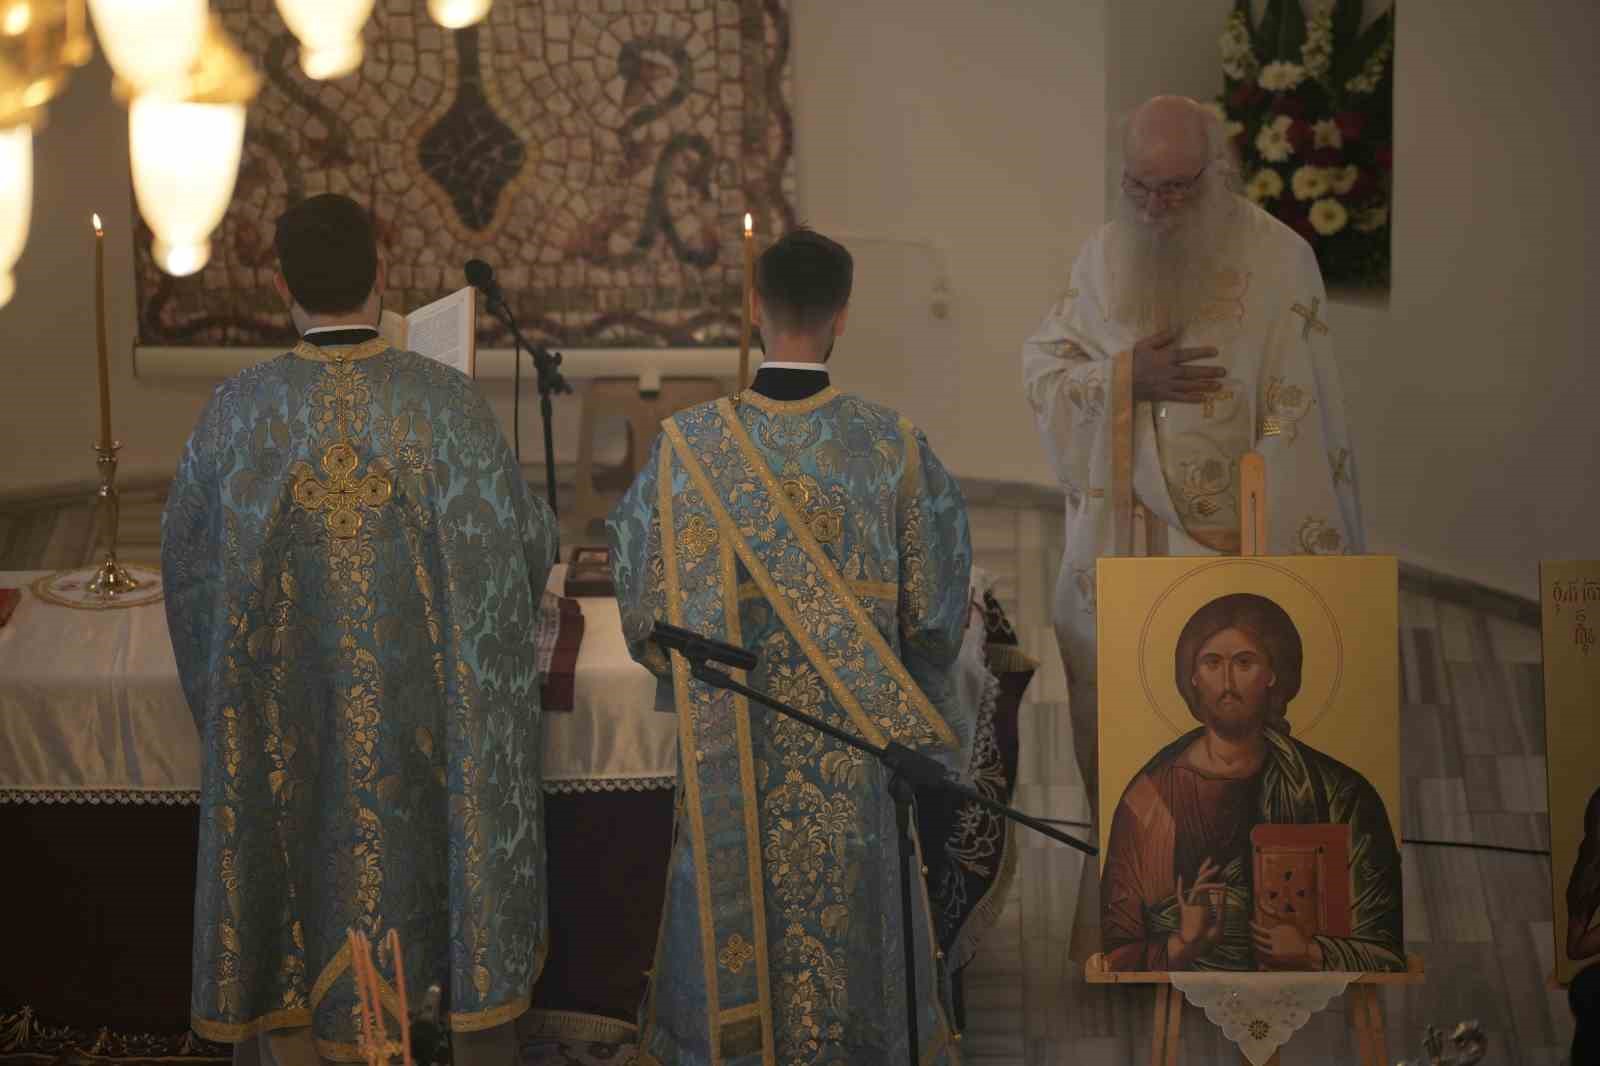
(1289, 104)
(1385, 157)
(1364, 189)
(1300, 134)
(1243, 97)
(1326, 157)
(1351, 123)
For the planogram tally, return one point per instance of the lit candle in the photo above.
(100, 328)
(745, 307)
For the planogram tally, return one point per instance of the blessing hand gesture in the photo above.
(1199, 915)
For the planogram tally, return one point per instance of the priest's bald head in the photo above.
(1176, 214)
(329, 270)
(803, 285)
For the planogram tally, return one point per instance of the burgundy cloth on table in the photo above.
(557, 637)
(9, 598)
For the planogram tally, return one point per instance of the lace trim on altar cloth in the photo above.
(168, 797)
(191, 797)
(1260, 1012)
(613, 784)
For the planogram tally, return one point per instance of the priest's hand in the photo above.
(1199, 916)
(1161, 371)
(1281, 946)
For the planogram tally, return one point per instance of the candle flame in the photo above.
(749, 224)
(98, 230)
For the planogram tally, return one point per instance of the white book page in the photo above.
(446, 330)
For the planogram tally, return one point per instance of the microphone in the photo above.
(480, 276)
(697, 648)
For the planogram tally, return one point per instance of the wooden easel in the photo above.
(1129, 520)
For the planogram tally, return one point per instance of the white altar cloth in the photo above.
(91, 710)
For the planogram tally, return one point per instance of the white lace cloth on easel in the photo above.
(1259, 1011)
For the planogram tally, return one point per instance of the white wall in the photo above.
(1472, 397)
(972, 129)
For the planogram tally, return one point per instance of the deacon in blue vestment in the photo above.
(820, 530)
(353, 564)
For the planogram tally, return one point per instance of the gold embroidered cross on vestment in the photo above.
(1310, 315)
(698, 537)
(736, 953)
(1340, 461)
(343, 495)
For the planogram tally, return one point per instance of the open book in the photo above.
(446, 330)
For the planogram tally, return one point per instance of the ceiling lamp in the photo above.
(40, 41)
(150, 44)
(16, 201)
(457, 14)
(185, 152)
(329, 32)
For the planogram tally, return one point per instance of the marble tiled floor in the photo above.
(1472, 744)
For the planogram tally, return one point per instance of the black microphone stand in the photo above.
(909, 770)
(550, 381)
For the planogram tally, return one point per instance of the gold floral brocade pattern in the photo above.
(769, 802)
(350, 518)
(1286, 405)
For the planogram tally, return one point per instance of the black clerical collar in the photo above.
(787, 384)
(340, 337)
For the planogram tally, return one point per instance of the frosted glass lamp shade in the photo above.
(185, 159)
(329, 32)
(151, 44)
(16, 201)
(456, 14)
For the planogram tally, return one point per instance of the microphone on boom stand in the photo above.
(480, 276)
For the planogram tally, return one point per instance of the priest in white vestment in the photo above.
(1224, 311)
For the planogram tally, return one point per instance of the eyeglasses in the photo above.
(1169, 191)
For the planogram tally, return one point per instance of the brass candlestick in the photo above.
(111, 579)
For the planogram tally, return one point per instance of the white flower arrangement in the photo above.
(1328, 217)
(1372, 73)
(1311, 183)
(1317, 52)
(1373, 218)
(1238, 57)
(1281, 77)
(1273, 140)
(1326, 134)
(1265, 184)
(1306, 104)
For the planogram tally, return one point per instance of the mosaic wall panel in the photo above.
(599, 153)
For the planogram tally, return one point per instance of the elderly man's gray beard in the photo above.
(1162, 278)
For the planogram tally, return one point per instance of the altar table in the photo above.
(99, 786)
